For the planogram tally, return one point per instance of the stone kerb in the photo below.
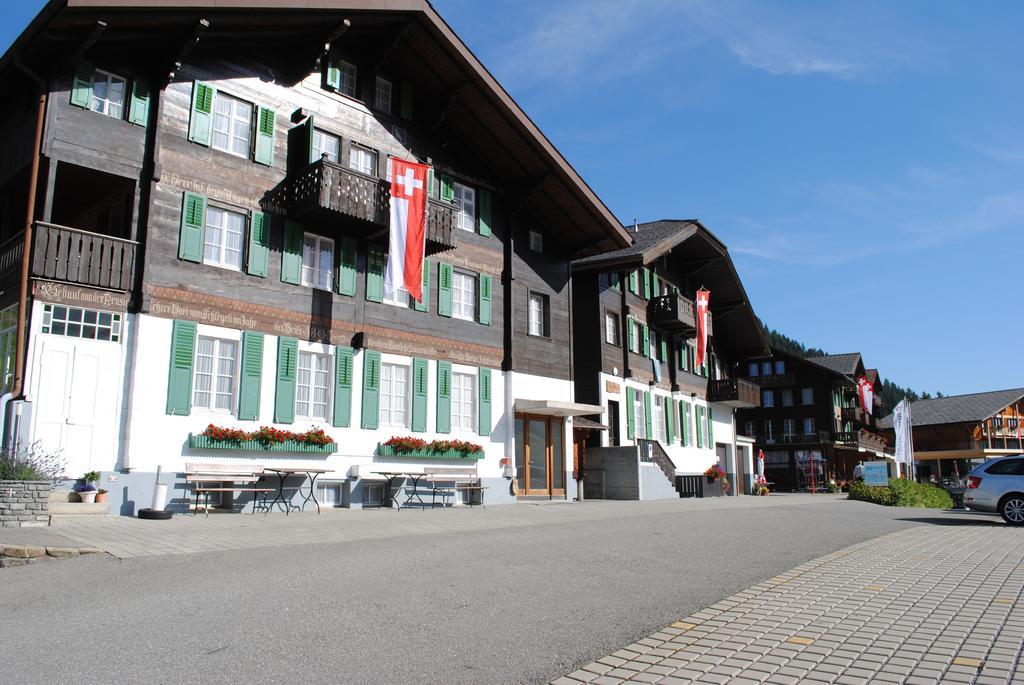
(24, 503)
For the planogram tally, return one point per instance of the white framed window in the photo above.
(382, 94)
(312, 386)
(538, 315)
(767, 398)
(637, 337)
(394, 395)
(317, 261)
(748, 429)
(660, 428)
(788, 428)
(232, 124)
(108, 91)
(463, 402)
(752, 369)
(611, 328)
(348, 71)
(780, 367)
(766, 368)
(363, 160)
(71, 322)
(463, 296)
(652, 341)
(807, 395)
(223, 238)
(809, 427)
(640, 427)
(465, 207)
(769, 433)
(399, 297)
(787, 397)
(536, 241)
(216, 374)
(326, 144)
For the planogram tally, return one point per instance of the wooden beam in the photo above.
(186, 47)
(97, 30)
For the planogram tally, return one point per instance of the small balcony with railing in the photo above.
(325, 192)
(865, 439)
(71, 255)
(734, 392)
(675, 314)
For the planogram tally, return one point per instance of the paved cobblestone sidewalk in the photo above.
(925, 605)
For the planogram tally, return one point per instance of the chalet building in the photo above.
(194, 216)
(953, 434)
(634, 327)
(810, 423)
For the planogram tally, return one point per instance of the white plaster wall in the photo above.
(529, 387)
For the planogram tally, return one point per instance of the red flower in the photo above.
(268, 435)
(409, 444)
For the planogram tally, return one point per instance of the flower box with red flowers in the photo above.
(415, 448)
(266, 439)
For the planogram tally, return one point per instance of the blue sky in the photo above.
(862, 160)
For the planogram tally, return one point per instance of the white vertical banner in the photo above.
(902, 426)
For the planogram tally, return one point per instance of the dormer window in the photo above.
(108, 91)
(347, 84)
(536, 241)
(382, 95)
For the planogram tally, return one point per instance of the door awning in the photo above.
(553, 408)
(581, 422)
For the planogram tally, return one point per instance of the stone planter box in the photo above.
(386, 451)
(24, 503)
(202, 442)
(713, 488)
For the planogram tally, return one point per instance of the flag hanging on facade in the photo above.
(408, 236)
(902, 425)
(866, 392)
(703, 298)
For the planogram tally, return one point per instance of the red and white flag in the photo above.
(703, 298)
(866, 392)
(407, 242)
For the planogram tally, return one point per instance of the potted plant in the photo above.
(91, 477)
(86, 491)
(101, 496)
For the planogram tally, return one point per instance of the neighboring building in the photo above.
(634, 350)
(810, 423)
(209, 234)
(952, 434)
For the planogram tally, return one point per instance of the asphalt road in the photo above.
(522, 604)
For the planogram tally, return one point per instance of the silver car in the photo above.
(998, 486)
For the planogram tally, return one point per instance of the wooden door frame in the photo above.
(549, 490)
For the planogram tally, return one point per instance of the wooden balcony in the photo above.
(324, 192)
(675, 314)
(734, 392)
(863, 439)
(855, 414)
(71, 255)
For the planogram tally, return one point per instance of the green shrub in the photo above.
(902, 493)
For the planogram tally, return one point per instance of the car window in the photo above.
(1007, 467)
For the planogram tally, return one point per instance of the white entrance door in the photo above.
(75, 410)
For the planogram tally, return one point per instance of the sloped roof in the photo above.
(959, 408)
(845, 364)
(650, 241)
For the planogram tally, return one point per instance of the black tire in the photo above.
(151, 515)
(1011, 508)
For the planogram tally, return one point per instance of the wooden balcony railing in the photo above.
(856, 414)
(71, 255)
(675, 314)
(10, 260)
(864, 439)
(734, 392)
(323, 190)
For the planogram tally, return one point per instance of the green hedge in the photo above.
(902, 493)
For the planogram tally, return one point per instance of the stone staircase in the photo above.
(63, 510)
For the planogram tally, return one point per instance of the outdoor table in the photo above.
(391, 493)
(282, 474)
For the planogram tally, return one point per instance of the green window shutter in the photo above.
(711, 427)
(444, 397)
(484, 300)
(291, 253)
(630, 413)
(681, 352)
(616, 282)
(371, 389)
(406, 110)
(81, 86)
(444, 289)
(332, 71)
(138, 108)
(200, 124)
(284, 397)
(646, 340)
(264, 136)
(299, 153)
(342, 387)
(655, 285)
(629, 334)
(447, 189)
(420, 384)
(179, 381)
(259, 245)
(424, 306)
(484, 394)
(648, 417)
(375, 274)
(347, 273)
(251, 376)
(647, 283)
(663, 349)
(669, 420)
(684, 415)
(484, 225)
(700, 426)
(634, 282)
(193, 223)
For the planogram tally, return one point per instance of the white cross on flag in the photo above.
(703, 301)
(408, 237)
(866, 392)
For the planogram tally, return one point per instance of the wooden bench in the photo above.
(462, 480)
(216, 475)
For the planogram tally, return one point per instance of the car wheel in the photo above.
(1012, 509)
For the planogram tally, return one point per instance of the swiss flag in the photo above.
(866, 392)
(407, 242)
(703, 301)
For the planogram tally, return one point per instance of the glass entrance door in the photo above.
(540, 455)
